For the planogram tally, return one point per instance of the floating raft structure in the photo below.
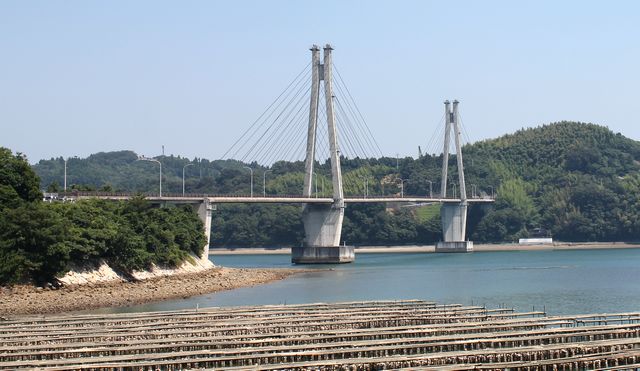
(342, 336)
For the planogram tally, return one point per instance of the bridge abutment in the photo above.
(205, 211)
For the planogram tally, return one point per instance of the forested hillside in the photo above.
(579, 181)
(39, 240)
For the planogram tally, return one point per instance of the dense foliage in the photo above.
(39, 240)
(578, 181)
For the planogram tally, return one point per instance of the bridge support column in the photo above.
(323, 229)
(205, 211)
(322, 223)
(454, 226)
(453, 216)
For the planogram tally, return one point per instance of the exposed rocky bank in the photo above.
(26, 299)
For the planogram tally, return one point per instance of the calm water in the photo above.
(563, 282)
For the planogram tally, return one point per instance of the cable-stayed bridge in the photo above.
(315, 120)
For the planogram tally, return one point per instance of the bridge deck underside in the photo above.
(363, 335)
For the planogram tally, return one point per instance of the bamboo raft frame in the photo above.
(409, 334)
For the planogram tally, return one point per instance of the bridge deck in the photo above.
(293, 199)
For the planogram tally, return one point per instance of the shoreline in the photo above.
(431, 248)
(20, 300)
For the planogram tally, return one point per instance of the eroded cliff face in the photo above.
(104, 273)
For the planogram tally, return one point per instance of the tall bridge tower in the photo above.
(453, 216)
(322, 223)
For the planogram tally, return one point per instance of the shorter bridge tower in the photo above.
(322, 223)
(453, 216)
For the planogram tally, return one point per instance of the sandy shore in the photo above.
(431, 248)
(24, 299)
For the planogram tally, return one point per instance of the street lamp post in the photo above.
(454, 189)
(402, 186)
(65, 174)
(213, 176)
(264, 183)
(473, 191)
(430, 189)
(315, 179)
(142, 158)
(183, 168)
(365, 182)
(491, 187)
(251, 170)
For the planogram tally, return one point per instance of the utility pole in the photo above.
(402, 186)
(65, 174)
(142, 158)
(365, 184)
(183, 168)
(264, 183)
(251, 170)
(315, 178)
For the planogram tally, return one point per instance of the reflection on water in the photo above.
(563, 282)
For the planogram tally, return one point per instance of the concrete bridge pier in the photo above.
(323, 229)
(205, 210)
(454, 226)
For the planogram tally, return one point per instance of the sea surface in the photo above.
(560, 282)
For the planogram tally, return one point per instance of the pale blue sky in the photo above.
(78, 77)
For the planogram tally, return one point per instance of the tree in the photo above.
(34, 244)
(16, 174)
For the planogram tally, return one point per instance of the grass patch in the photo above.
(427, 212)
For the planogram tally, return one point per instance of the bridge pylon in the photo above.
(322, 223)
(453, 216)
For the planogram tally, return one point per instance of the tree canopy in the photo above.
(39, 240)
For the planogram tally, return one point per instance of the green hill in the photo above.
(579, 181)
